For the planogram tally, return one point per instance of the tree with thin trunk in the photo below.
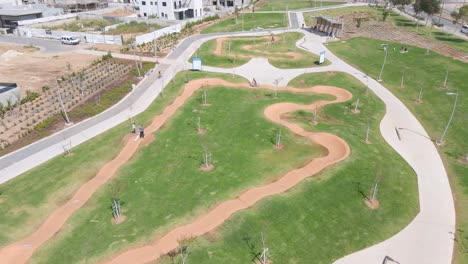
(367, 130)
(356, 105)
(264, 254)
(420, 95)
(430, 7)
(278, 139)
(417, 11)
(206, 158)
(375, 187)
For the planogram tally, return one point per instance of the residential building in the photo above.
(9, 93)
(171, 9)
(9, 17)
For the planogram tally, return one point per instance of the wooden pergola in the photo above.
(329, 25)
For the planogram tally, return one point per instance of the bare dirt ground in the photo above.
(338, 149)
(388, 32)
(120, 13)
(252, 48)
(31, 69)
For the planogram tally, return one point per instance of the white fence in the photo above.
(45, 19)
(57, 34)
(158, 33)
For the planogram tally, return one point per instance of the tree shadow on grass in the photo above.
(252, 251)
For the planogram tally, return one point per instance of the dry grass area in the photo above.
(121, 12)
(31, 69)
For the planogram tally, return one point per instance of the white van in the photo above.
(464, 29)
(70, 40)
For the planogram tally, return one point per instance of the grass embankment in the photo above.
(374, 13)
(105, 99)
(163, 185)
(426, 71)
(324, 217)
(251, 21)
(26, 200)
(83, 25)
(133, 27)
(280, 5)
(234, 53)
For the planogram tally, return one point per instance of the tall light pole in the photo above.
(441, 140)
(385, 47)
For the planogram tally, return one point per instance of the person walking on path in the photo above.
(142, 131)
(133, 128)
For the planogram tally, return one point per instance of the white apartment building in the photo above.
(171, 9)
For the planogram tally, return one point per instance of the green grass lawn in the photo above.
(280, 5)
(324, 218)
(27, 200)
(286, 42)
(251, 21)
(397, 20)
(426, 71)
(163, 185)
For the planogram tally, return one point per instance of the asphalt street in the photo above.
(46, 45)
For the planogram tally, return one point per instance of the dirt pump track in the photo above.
(338, 150)
(252, 48)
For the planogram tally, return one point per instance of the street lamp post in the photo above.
(385, 47)
(441, 140)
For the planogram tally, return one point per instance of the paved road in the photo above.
(46, 45)
(448, 24)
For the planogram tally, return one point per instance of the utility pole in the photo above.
(420, 94)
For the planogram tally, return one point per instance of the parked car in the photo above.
(70, 40)
(464, 29)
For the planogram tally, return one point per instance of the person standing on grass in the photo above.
(142, 131)
(133, 128)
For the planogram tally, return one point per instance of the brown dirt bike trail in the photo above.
(338, 150)
(219, 49)
(21, 251)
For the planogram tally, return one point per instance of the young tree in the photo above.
(462, 14)
(264, 255)
(417, 11)
(430, 7)
(279, 137)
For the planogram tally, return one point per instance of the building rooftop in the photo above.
(19, 12)
(5, 87)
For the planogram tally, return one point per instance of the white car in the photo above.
(70, 40)
(464, 29)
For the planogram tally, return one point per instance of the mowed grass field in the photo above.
(27, 200)
(234, 53)
(427, 71)
(163, 186)
(398, 20)
(282, 5)
(324, 217)
(251, 21)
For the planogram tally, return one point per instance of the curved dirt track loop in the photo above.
(337, 148)
(219, 49)
(21, 251)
